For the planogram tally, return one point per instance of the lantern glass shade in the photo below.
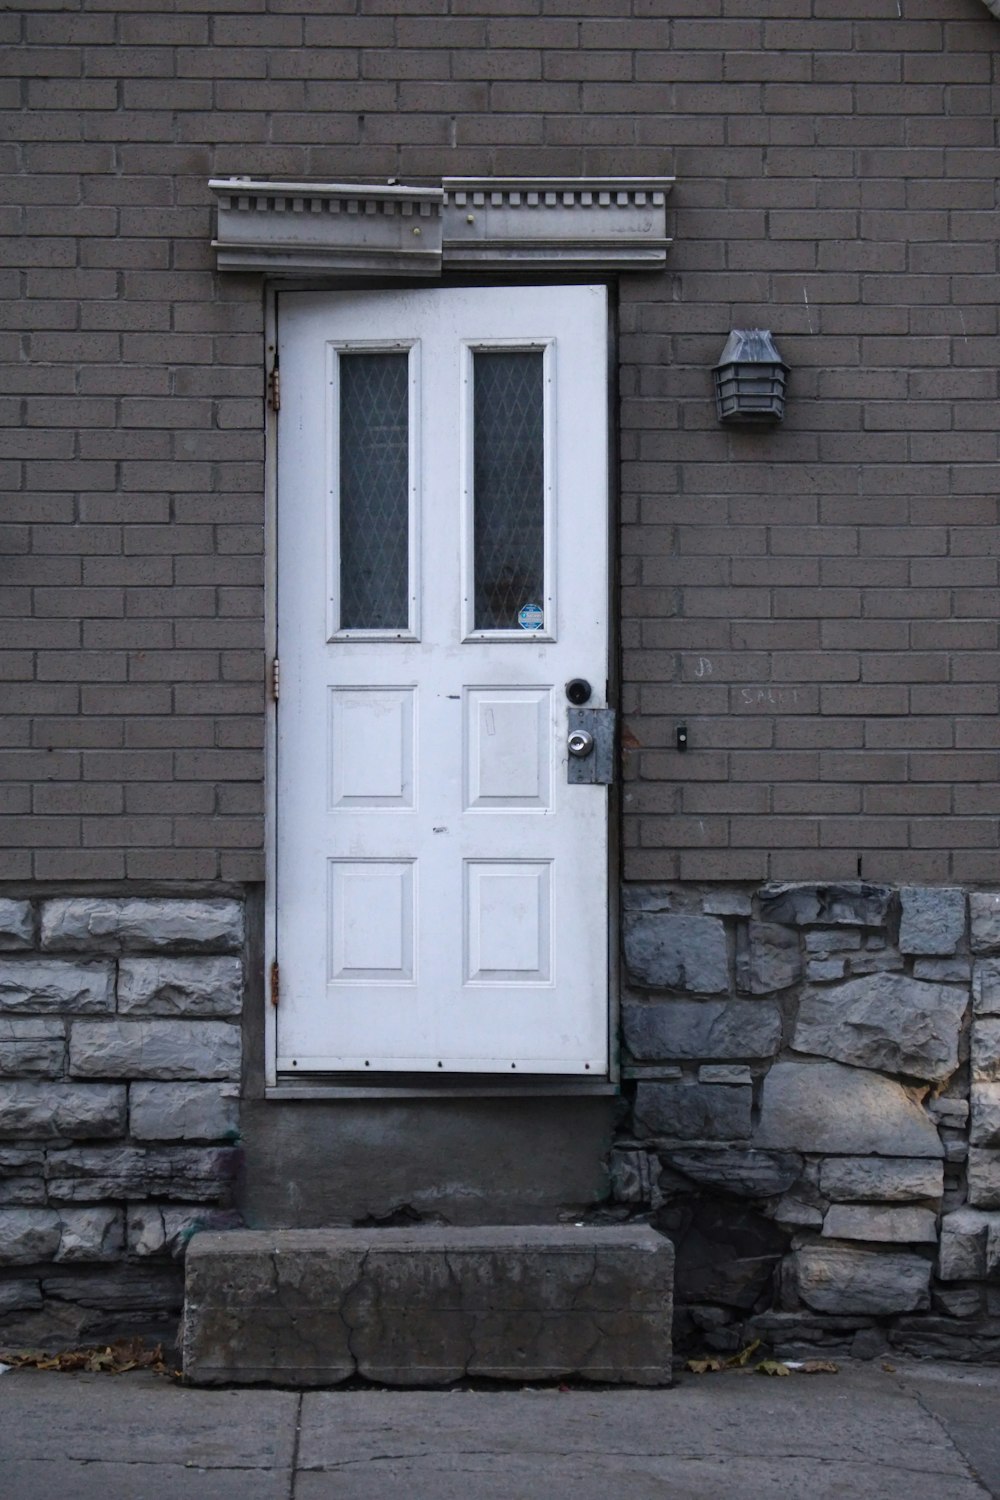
(750, 379)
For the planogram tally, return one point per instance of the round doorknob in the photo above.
(580, 743)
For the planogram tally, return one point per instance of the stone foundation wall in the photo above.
(119, 1104)
(811, 1109)
(813, 1084)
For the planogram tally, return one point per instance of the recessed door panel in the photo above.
(508, 922)
(508, 739)
(370, 921)
(441, 892)
(371, 748)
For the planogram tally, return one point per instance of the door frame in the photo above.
(411, 1086)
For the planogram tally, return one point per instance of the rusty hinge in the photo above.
(274, 387)
(275, 983)
(275, 678)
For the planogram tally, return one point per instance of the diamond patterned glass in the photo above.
(374, 491)
(509, 486)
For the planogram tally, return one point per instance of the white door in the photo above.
(441, 889)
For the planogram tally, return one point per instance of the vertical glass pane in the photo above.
(374, 491)
(509, 487)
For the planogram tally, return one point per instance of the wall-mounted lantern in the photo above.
(750, 379)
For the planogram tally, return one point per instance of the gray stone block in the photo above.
(31, 1046)
(180, 986)
(673, 951)
(17, 924)
(56, 984)
(28, 1235)
(887, 1022)
(986, 986)
(184, 1111)
(962, 1254)
(633, 1175)
(724, 1073)
(146, 1235)
(848, 903)
(94, 1174)
(91, 924)
(150, 1291)
(768, 958)
(824, 970)
(878, 1179)
(695, 1029)
(984, 916)
(21, 1294)
(734, 1169)
(959, 1301)
(155, 1230)
(647, 898)
(954, 970)
(871, 1221)
(154, 1049)
(985, 1129)
(842, 1279)
(723, 903)
(54, 1110)
(429, 1306)
(23, 1191)
(794, 1213)
(889, 962)
(933, 919)
(692, 1111)
(91, 1234)
(842, 941)
(16, 1160)
(825, 1107)
(985, 1049)
(948, 1110)
(984, 1178)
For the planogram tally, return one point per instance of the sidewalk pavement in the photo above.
(927, 1430)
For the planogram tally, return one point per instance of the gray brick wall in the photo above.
(819, 604)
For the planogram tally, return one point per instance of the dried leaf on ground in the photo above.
(772, 1367)
(708, 1364)
(112, 1359)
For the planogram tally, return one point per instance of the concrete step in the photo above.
(429, 1305)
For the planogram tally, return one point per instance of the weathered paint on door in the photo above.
(442, 573)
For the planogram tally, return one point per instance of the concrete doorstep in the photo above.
(429, 1305)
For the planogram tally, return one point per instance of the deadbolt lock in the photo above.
(580, 743)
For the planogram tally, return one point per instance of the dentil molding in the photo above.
(468, 223)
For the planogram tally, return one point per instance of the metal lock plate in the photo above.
(593, 766)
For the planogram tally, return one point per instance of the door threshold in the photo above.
(459, 1086)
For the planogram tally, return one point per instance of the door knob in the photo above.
(580, 743)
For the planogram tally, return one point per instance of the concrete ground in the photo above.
(931, 1430)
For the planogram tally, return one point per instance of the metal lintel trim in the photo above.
(363, 230)
(351, 228)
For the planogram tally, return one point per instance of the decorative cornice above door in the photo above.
(483, 223)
